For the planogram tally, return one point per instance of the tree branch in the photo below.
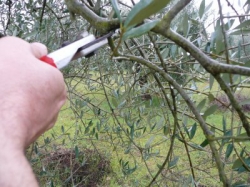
(173, 12)
(209, 135)
(234, 103)
(191, 105)
(212, 66)
(103, 25)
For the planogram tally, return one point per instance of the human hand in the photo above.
(31, 92)
(31, 95)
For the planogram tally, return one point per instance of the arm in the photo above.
(31, 95)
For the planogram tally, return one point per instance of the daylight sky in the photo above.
(226, 10)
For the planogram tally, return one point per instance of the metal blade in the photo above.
(92, 46)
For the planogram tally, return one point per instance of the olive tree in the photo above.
(166, 99)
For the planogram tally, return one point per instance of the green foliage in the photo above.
(210, 111)
(202, 9)
(229, 150)
(116, 8)
(138, 31)
(131, 114)
(173, 162)
(143, 10)
(192, 131)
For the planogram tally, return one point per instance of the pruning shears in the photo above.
(80, 48)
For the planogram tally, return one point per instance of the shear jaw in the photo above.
(82, 53)
(90, 49)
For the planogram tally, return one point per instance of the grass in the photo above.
(99, 129)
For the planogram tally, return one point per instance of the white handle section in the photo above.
(64, 55)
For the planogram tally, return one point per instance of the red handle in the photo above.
(48, 60)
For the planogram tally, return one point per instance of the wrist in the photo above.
(14, 165)
(11, 142)
(14, 121)
(13, 161)
(12, 134)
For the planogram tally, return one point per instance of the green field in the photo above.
(135, 138)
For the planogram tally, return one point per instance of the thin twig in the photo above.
(43, 9)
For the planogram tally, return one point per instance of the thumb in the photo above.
(38, 50)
